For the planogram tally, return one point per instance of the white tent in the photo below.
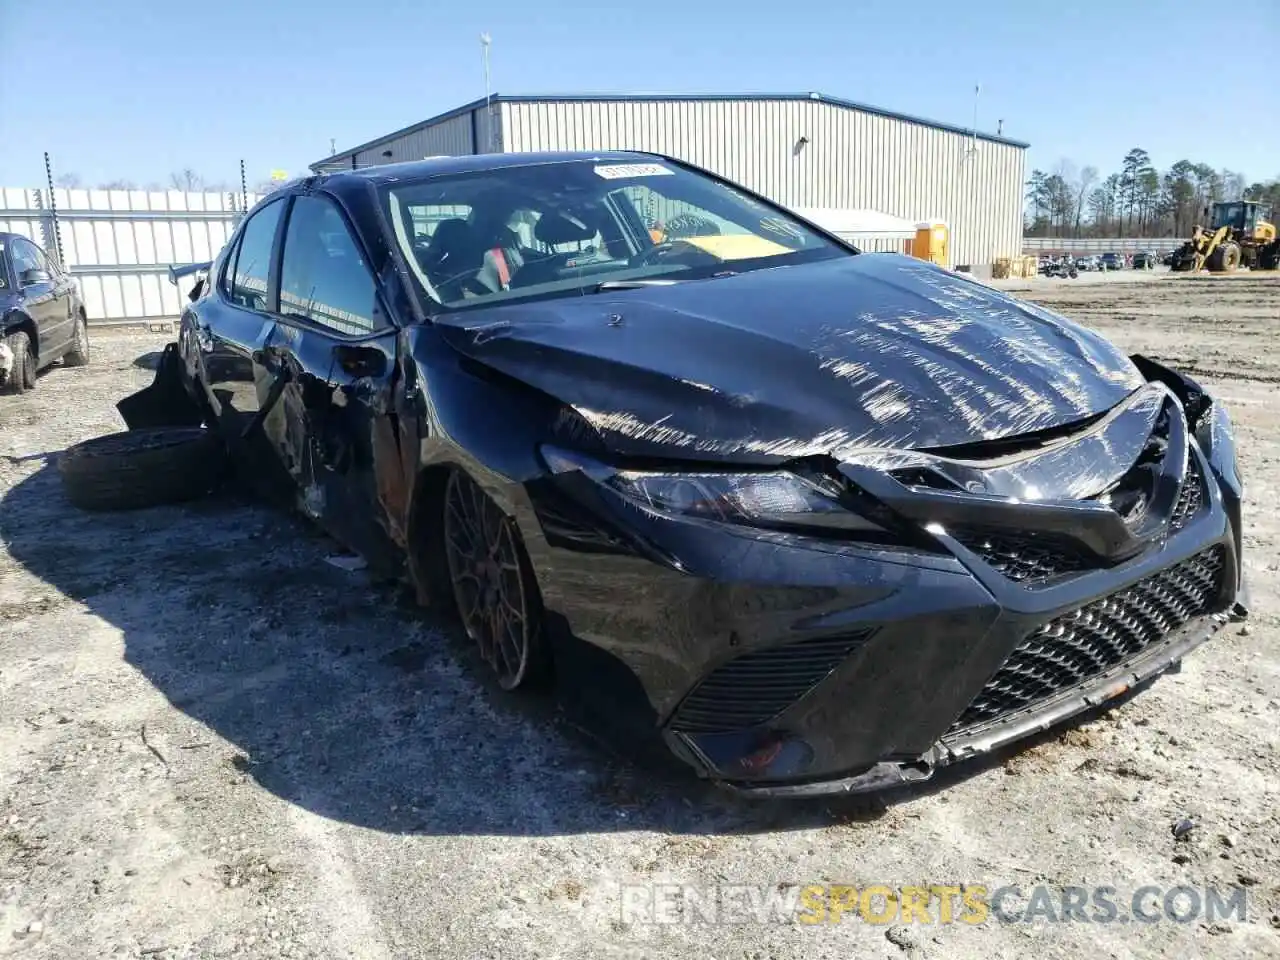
(854, 225)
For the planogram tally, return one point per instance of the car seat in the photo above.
(553, 230)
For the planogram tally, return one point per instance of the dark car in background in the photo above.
(1144, 260)
(820, 520)
(41, 316)
(1112, 261)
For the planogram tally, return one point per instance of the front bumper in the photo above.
(784, 665)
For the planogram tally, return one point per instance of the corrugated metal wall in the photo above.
(453, 137)
(119, 244)
(851, 158)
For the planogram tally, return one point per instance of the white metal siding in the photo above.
(450, 137)
(852, 158)
(118, 244)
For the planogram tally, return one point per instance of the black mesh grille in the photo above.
(1087, 642)
(758, 686)
(1190, 497)
(1022, 557)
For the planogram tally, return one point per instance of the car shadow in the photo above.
(338, 694)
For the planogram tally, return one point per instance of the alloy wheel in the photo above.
(492, 587)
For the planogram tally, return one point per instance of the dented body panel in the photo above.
(890, 352)
(1022, 484)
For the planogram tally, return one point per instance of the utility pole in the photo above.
(485, 41)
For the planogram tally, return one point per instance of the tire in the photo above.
(143, 468)
(22, 376)
(494, 589)
(78, 355)
(1225, 258)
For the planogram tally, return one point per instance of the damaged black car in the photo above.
(820, 520)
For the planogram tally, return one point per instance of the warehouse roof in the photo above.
(661, 98)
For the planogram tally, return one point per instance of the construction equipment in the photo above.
(1241, 234)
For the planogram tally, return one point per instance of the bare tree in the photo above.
(69, 181)
(117, 185)
(1083, 184)
(186, 179)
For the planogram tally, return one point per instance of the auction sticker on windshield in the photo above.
(618, 171)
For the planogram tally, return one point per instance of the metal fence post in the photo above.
(53, 213)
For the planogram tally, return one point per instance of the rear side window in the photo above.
(252, 262)
(323, 277)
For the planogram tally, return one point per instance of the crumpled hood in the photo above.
(874, 350)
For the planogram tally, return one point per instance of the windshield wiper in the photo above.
(631, 284)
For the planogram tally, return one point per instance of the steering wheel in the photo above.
(655, 254)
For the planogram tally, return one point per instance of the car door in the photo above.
(40, 299)
(223, 337)
(334, 340)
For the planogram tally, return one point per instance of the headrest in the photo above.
(554, 229)
(456, 230)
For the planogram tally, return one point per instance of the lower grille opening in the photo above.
(757, 686)
(1087, 642)
(1025, 558)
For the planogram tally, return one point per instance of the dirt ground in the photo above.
(215, 744)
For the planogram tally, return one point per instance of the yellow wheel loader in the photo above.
(1241, 234)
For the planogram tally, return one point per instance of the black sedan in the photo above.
(41, 316)
(820, 520)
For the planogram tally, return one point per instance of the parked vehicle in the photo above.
(1062, 267)
(1112, 261)
(1144, 260)
(42, 318)
(1241, 233)
(820, 520)
(1088, 262)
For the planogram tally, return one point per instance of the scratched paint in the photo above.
(876, 350)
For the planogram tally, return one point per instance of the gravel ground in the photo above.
(215, 744)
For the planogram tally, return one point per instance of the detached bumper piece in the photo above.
(166, 402)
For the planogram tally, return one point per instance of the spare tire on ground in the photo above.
(143, 468)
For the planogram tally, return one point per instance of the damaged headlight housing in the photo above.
(774, 498)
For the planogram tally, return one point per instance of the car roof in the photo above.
(479, 163)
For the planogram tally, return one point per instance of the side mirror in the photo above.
(34, 275)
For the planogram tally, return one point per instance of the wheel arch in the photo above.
(18, 320)
(424, 532)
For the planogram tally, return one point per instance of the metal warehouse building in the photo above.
(800, 150)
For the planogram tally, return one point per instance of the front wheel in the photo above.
(493, 584)
(22, 363)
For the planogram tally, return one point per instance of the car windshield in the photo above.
(562, 229)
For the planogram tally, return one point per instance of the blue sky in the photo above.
(134, 89)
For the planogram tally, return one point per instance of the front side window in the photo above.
(1228, 214)
(323, 277)
(563, 228)
(251, 268)
(27, 256)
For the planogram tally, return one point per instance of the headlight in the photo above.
(776, 498)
